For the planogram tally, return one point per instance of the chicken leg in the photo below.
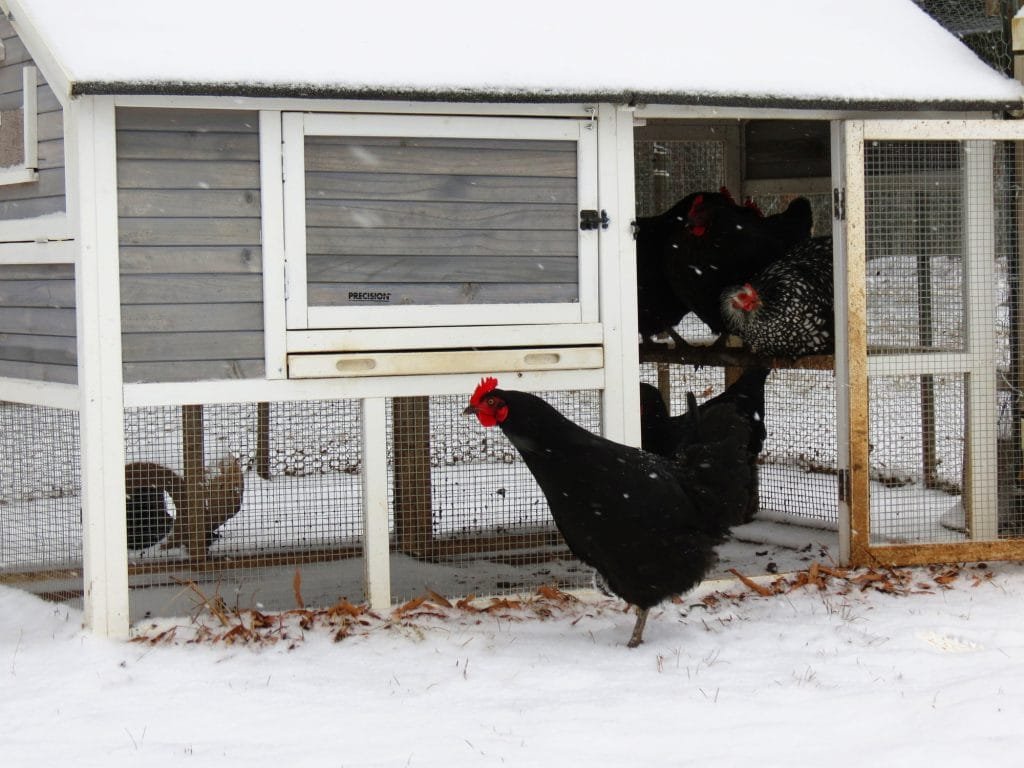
(638, 629)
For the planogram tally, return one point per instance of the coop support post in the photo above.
(413, 492)
(93, 203)
(926, 338)
(980, 455)
(193, 519)
(735, 156)
(376, 546)
(660, 191)
(851, 363)
(617, 256)
(272, 239)
(263, 440)
(275, 323)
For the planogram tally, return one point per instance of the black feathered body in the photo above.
(792, 225)
(146, 514)
(735, 243)
(147, 518)
(659, 431)
(796, 312)
(658, 306)
(646, 523)
(663, 434)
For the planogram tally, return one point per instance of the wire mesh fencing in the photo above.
(468, 517)
(983, 25)
(231, 501)
(943, 319)
(797, 466)
(260, 505)
(669, 169)
(40, 487)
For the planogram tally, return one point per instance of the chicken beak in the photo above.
(470, 410)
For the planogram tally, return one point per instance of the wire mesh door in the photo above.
(934, 344)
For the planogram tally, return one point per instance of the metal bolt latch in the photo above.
(590, 219)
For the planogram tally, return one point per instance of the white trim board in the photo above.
(50, 394)
(286, 390)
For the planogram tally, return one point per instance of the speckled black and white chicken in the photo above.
(787, 309)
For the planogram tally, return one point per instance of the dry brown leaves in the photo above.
(885, 579)
(215, 623)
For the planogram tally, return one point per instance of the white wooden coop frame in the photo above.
(597, 336)
(589, 344)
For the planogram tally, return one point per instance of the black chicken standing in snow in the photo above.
(661, 433)
(787, 309)
(718, 243)
(646, 523)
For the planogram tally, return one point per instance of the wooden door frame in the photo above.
(854, 365)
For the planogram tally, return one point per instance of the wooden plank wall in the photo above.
(787, 149)
(37, 303)
(189, 220)
(37, 322)
(46, 195)
(445, 221)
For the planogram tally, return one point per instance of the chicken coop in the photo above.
(244, 299)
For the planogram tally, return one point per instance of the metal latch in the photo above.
(591, 219)
(839, 204)
(845, 491)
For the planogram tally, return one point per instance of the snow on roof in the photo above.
(788, 52)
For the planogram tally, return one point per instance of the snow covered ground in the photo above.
(912, 667)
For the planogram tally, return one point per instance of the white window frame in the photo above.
(28, 169)
(302, 317)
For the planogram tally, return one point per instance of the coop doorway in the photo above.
(907, 442)
(933, 312)
(767, 164)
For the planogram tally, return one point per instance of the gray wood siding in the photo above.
(46, 195)
(787, 149)
(189, 228)
(37, 322)
(440, 221)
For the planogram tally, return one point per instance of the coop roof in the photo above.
(799, 53)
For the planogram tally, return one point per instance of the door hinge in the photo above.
(590, 219)
(844, 486)
(839, 204)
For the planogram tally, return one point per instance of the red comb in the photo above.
(749, 203)
(485, 386)
(698, 201)
(724, 191)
